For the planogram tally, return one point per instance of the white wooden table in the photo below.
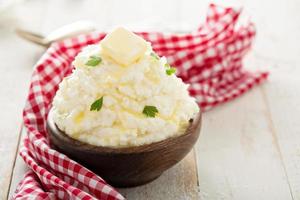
(248, 148)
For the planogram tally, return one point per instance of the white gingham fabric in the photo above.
(209, 59)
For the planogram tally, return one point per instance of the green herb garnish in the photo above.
(170, 71)
(97, 105)
(150, 111)
(154, 55)
(93, 61)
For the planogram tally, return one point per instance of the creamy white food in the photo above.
(128, 77)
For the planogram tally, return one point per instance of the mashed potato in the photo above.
(107, 103)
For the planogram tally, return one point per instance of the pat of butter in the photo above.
(123, 46)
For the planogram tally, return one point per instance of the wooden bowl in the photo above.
(128, 166)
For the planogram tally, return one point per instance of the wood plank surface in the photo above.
(17, 58)
(283, 102)
(19, 169)
(278, 48)
(248, 148)
(180, 182)
(237, 153)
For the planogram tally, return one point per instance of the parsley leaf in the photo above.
(170, 71)
(93, 61)
(97, 105)
(150, 111)
(154, 55)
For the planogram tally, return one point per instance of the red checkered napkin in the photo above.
(210, 60)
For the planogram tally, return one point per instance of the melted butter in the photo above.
(182, 126)
(75, 135)
(153, 77)
(134, 113)
(117, 75)
(79, 117)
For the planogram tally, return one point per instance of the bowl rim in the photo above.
(54, 131)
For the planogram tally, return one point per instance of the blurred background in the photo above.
(273, 19)
(257, 122)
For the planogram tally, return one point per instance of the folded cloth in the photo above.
(209, 59)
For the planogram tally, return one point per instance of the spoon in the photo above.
(70, 30)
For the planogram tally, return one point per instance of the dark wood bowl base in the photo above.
(128, 166)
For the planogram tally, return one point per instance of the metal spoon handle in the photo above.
(61, 33)
(30, 36)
